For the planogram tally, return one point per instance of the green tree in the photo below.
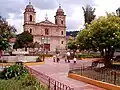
(72, 45)
(23, 40)
(102, 34)
(6, 32)
(88, 14)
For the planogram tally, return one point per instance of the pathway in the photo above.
(59, 72)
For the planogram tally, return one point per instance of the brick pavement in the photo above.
(59, 72)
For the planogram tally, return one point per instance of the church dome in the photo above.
(29, 6)
(60, 11)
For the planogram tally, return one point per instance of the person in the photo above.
(65, 58)
(57, 58)
(74, 59)
(68, 56)
(54, 58)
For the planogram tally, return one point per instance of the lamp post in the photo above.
(118, 12)
(43, 46)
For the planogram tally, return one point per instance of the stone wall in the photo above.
(19, 58)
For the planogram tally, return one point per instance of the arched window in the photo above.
(62, 42)
(61, 22)
(30, 17)
(46, 32)
(61, 32)
(55, 21)
(30, 30)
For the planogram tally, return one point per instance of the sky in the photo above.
(13, 10)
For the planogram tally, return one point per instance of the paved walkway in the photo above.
(59, 72)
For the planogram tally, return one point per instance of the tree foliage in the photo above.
(88, 14)
(102, 34)
(6, 32)
(72, 45)
(23, 40)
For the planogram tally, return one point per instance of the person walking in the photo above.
(57, 58)
(54, 57)
(68, 56)
(75, 59)
(65, 58)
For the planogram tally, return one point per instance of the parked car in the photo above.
(116, 56)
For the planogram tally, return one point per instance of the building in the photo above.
(51, 35)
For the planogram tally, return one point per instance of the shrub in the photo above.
(26, 82)
(13, 71)
(88, 56)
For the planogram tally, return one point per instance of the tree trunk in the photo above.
(102, 53)
(0, 53)
(108, 56)
(107, 62)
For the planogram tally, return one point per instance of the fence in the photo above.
(51, 83)
(98, 73)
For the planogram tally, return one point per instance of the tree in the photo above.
(102, 34)
(88, 14)
(23, 40)
(72, 45)
(6, 33)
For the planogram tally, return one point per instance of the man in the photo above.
(54, 57)
(68, 56)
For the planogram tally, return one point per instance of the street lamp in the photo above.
(43, 46)
(118, 12)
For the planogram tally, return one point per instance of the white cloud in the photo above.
(73, 10)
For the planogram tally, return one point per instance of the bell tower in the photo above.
(60, 18)
(29, 14)
(29, 18)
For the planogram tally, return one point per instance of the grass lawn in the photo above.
(26, 82)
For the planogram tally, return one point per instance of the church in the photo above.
(51, 35)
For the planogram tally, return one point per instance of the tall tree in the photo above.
(6, 33)
(23, 40)
(72, 45)
(88, 14)
(102, 34)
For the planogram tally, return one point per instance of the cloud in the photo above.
(13, 10)
(45, 4)
(10, 6)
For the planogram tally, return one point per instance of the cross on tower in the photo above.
(46, 16)
(29, 2)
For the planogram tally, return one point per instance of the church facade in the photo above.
(50, 35)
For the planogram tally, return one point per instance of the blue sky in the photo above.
(13, 10)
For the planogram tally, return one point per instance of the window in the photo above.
(30, 30)
(62, 42)
(30, 17)
(55, 21)
(61, 32)
(46, 32)
(61, 22)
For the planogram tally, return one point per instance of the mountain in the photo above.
(72, 33)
